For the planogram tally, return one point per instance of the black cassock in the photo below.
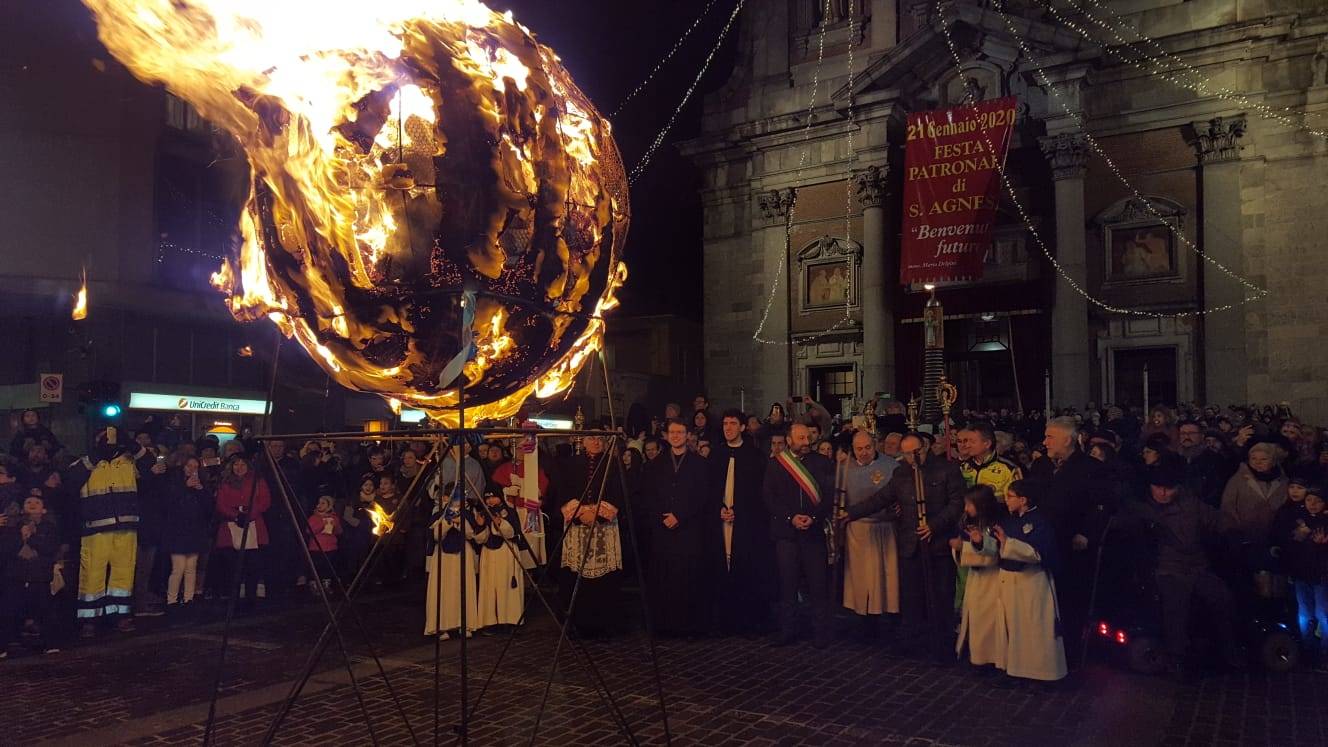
(745, 584)
(678, 579)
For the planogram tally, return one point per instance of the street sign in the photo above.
(51, 387)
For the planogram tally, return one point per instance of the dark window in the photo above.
(195, 222)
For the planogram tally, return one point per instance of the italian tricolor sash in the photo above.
(800, 475)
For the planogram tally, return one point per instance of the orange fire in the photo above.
(382, 522)
(401, 150)
(80, 311)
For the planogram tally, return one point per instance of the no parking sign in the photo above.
(51, 387)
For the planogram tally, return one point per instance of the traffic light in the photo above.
(100, 400)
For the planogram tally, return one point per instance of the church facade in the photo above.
(1162, 230)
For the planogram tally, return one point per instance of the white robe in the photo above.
(449, 568)
(1028, 604)
(871, 570)
(981, 625)
(501, 602)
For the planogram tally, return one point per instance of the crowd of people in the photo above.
(982, 539)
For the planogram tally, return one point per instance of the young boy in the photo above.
(1306, 550)
(29, 543)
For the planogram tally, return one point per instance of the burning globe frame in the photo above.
(434, 206)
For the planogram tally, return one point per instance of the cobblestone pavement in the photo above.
(152, 688)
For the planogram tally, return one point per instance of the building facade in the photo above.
(1166, 164)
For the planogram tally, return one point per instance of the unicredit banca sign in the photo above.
(193, 403)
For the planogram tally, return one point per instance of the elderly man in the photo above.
(1078, 503)
(871, 565)
(797, 489)
(889, 444)
(926, 608)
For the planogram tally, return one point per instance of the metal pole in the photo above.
(240, 551)
(1014, 369)
(461, 459)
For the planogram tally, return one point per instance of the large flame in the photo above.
(400, 151)
(80, 310)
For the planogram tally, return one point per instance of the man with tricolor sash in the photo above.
(798, 489)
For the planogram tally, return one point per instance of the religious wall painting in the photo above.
(826, 285)
(1139, 240)
(828, 270)
(1142, 253)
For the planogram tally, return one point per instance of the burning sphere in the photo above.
(434, 204)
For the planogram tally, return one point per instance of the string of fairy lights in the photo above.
(1256, 291)
(1286, 116)
(1024, 215)
(797, 174)
(691, 89)
(850, 156)
(650, 77)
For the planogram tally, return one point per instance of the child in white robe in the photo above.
(1034, 648)
(981, 626)
(502, 591)
(456, 529)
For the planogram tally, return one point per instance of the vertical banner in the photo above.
(952, 162)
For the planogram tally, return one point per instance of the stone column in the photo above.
(773, 370)
(1067, 153)
(878, 351)
(1217, 143)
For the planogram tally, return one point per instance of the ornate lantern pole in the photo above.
(933, 356)
(947, 394)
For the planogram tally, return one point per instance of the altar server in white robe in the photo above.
(502, 591)
(871, 563)
(981, 626)
(456, 529)
(1034, 648)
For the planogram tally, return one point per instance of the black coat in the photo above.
(1206, 476)
(685, 494)
(46, 541)
(1303, 558)
(1178, 533)
(1079, 500)
(944, 486)
(784, 499)
(186, 517)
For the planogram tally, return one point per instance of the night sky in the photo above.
(609, 46)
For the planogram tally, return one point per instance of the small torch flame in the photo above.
(80, 311)
(382, 522)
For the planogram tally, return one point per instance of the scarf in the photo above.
(1267, 476)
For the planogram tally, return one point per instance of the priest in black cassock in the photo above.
(741, 555)
(674, 487)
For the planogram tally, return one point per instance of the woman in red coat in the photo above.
(242, 500)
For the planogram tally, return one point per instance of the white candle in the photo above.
(1046, 392)
(1145, 389)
